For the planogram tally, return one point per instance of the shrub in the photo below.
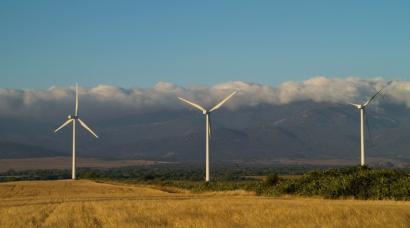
(271, 180)
(88, 175)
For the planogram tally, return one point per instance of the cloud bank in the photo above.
(105, 101)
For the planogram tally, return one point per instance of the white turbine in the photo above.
(363, 112)
(72, 119)
(208, 126)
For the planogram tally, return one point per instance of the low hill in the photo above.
(12, 150)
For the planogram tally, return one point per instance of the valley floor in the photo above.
(66, 163)
(88, 204)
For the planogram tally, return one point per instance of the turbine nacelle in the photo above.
(360, 107)
(72, 117)
(206, 112)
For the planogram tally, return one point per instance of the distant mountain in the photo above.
(259, 143)
(12, 150)
(258, 132)
(391, 143)
(43, 135)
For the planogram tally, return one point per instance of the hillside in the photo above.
(12, 150)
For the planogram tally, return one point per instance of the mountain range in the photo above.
(253, 133)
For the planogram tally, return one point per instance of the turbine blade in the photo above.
(195, 105)
(221, 103)
(374, 96)
(85, 126)
(368, 128)
(346, 102)
(68, 121)
(210, 129)
(76, 99)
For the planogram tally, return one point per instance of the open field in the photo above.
(89, 204)
(66, 163)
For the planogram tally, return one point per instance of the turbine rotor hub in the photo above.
(72, 117)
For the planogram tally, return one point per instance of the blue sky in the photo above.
(139, 43)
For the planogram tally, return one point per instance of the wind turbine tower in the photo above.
(73, 119)
(363, 113)
(208, 126)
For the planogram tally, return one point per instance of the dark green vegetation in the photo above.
(220, 172)
(38, 174)
(171, 172)
(359, 182)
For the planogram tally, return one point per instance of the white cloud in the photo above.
(105, 101)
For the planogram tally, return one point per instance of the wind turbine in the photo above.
(208, 126)
(72, 119)
(363, 112)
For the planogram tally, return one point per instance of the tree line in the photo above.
(173, 172)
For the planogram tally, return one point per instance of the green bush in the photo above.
(271, 180)
(88, 175)
(361, 182)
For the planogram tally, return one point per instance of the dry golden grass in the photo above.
(89, 204)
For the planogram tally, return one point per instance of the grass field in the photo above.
(89, 204)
